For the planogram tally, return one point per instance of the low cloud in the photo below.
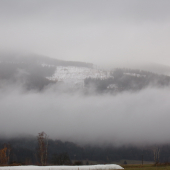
(127, 118)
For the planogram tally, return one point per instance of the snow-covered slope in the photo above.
(87, 167)
(134, 74)
(76, 75)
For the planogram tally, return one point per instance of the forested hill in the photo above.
(31, 71)
(128, 80)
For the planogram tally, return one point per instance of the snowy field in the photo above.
(76, 75)
(87, 167)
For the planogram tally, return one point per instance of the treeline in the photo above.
(127, 80)
(25, 151)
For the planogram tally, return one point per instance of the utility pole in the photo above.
(142, 159)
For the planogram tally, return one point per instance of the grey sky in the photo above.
(104, 32)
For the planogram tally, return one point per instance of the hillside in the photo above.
(128, 80)
(31, 71)
(38, 72)
(75, 76)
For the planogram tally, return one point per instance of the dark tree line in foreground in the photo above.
(25, 151)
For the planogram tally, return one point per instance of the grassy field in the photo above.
(146, 167)
(131, 162)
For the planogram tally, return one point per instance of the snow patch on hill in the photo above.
(76, 75)
(134, 74)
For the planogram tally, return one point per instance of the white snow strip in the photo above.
(86, 167)
(133, 74)
(76, 75)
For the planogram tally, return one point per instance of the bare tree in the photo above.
(42, 147)
(156, 152)
(5, 154)
(8, 153)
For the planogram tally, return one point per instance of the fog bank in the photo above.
(126, 118)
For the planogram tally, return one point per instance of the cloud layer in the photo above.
(127, 118)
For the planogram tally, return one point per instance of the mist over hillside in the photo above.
(115, 94)
(31, 71)
(94, 75)
(35, 72)
(112, 113)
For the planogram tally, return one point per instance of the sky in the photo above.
(104, 32)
